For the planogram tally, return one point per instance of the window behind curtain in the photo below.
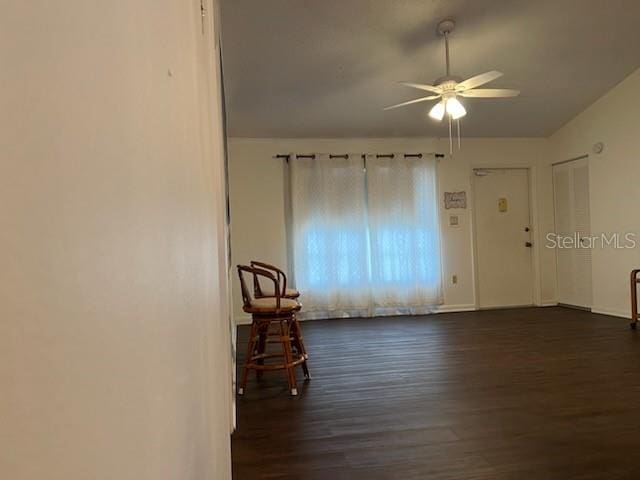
(365, 240)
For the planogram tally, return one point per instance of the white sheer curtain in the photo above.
(329, 234)
(404, 234)
(365, 241)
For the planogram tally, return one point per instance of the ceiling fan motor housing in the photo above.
(448, 82)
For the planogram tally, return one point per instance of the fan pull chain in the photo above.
(458, 121)
(450, 137)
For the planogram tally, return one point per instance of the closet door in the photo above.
(573, 227)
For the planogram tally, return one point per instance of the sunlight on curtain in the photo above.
(365, 242)
(404, 234)
(330, 248)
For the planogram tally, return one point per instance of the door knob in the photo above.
(528, 244)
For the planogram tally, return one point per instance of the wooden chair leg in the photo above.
(295, 338)
(305, 370)
(285, 336)
(634, 298)
(298, 341)
(250, 350)
(261, 347)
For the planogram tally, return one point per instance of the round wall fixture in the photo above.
(598, 148)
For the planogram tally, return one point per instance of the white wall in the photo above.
(111, 280)
(614, 185)
(257, 199)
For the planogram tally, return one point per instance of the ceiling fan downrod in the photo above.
(446, 49)
(445, 27)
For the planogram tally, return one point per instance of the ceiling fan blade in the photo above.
(417, 100)
(420, 86)
(478, 80)
(490, 93)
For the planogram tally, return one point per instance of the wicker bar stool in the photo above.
(286, 292)
(272, 320)
(261, 291)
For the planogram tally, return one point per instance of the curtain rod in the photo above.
(346, 155)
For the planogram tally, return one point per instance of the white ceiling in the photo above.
(326, 68)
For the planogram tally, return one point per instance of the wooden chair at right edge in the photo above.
(634, 298)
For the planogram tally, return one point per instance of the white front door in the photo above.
(503, 237)
(573, 227)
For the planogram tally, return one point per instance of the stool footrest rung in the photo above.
(277, 366)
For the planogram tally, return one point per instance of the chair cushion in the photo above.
(268, 305)
(289, 292)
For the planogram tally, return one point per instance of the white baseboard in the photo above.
(611, 312)
(506, 307)
(242, 320)
(467, 307)
(470, 307)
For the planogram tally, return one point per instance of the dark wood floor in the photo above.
(547, 393)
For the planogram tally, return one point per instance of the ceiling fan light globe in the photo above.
(437, 111)
(455, 109)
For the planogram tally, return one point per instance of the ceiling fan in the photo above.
(450, 87)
